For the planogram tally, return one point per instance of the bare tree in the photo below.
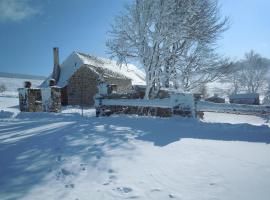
(166, 36)
(199, 67)
(253, 72)
(249, 74)
(233, 77)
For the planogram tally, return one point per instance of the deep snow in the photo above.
(66, 156)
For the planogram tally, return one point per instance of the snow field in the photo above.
(66, 156)
(12, 84)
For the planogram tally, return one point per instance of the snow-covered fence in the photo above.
(177, 103)
(232, 108)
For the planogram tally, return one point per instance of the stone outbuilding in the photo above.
(251, 98)
(79, 75)
(215, 99)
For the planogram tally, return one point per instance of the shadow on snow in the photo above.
(33, 145)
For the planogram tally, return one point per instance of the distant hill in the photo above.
(21, 76)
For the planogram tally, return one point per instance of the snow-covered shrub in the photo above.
(3, 88)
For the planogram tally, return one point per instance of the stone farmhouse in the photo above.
(79, 75)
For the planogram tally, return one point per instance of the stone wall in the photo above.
(55, 99)
(34, 100)
(30, 100)
(40, 100)
(64, 96)
(83, 85)
(123, 85)
(136, 110)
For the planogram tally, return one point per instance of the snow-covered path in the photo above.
(65, 156)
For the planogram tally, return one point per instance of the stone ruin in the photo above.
(39, 99)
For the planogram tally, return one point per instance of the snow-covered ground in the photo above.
(66, 156)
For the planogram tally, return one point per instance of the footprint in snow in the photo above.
(110, 171)
(171, 196)
(69, 185)
(62, 173)
(124, 189)
(83, 168)
(212, 184)
(133, 197)
(65, 172)
(112, 177)
(155, 190)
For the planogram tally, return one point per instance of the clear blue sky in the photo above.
(30, 29)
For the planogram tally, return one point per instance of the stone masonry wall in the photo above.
(34, 100)
(81, 88)
(123, 85)
(83, 85)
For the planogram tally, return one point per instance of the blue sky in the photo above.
(29, 29)
(250, 27)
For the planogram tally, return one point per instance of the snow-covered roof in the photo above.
(77, 59)
(244, 96)
(214, 97)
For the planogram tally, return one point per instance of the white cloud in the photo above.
(16, 10)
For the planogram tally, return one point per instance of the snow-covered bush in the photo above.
(3, 88)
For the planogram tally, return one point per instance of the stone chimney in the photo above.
(56, 66)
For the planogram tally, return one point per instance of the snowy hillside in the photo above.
(21, 76)
(66, 156)
(12, 84)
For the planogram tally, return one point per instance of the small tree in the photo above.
(3, 87)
